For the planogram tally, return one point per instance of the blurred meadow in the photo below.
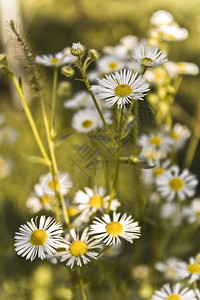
(50, 26)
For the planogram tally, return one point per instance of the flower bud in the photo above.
(67, 71)
(77, 49)
(94, 55)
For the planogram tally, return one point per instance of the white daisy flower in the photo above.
(55, 60)
(87, 120)
(63, 184)
(92, 200)
(172, 213)
(172, 184)
(161, 17)
(156, 76)
(149, 175)
(8, 135)
(110, 63)
(191, 270)
(80, 250)
(185, 68)
(121, 87)
(158, 141)
(168, 267)
(173, 32)
(192, 212)
(180, 133)
(151, 154)
(149, 56)
(119, 51)
(38, 240)
(110, 231)
(5, 166)
(177, 292)
(82, 99)
(40, 200)
(129, 42)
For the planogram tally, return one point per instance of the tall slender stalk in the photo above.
(117, 162)
(94, 100)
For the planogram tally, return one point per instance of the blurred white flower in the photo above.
(55, 60)
(88, 119)
(191, 270)
(8, 135)
(174, 69)
(161, 17)
(177, 292)
(62, 184)
(5, 167)
(172, 32)
(92, 200)
(168, 267)
(175, 183)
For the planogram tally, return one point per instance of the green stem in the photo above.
(135, 128)
(55, 80)
(30, 118)
(54, 170)
(83, 293)
(95, 101)
(191, 150)
(127, 118)
(117, 158)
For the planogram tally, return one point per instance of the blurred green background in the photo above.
(51, 26)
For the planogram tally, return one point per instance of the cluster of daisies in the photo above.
(43, 237)
(8, 136)
(122, 75)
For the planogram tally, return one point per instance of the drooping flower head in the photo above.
(121, 87)
(149, 56)
(38, 240)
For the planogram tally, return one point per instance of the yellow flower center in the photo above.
(155, 140)
(78, 248)
(46, 199)
(72, 211)
(181, 67)
(194, 268)
(114, 228)
(87, 124)
(146, 61)
(198, 214)
(176, 184)
(123, 90)
(158, 74)
(38, 237)
(175, 135)
(173, 297)
(54, 60)
(113, 65)
(56, 182)
(96, 201)
(158, 171)
(2, 164)
(170, 36)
